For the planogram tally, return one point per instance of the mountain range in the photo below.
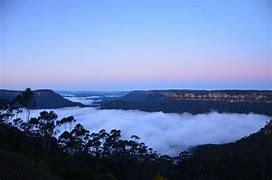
(195, 101)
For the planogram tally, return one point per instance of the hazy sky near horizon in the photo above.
(136, 44)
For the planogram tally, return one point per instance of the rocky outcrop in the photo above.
(194, 95)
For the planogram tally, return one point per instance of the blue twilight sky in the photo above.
(136, 44)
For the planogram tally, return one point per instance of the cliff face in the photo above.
(10, 94)
(224, 95)
(194, 101)
(44, 98)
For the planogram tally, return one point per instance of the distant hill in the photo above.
(195, 101)
(44, 98)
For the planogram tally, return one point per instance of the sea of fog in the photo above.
(167, 133)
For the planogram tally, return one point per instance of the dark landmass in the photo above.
(247, 158)
(195, 101)
(17, 166)
(44, 99)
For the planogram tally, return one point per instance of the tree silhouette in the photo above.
(47, 123)
(94, 144)
(46, 126)
(81, 137)
(34, 123)
(65, 121)
(5, 111)
(66, 142)
(103, 135)
(26, 100)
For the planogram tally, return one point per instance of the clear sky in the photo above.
(136, 44)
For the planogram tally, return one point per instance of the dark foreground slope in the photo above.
(44, 98)
(194, 101)
(17, 166)
(248, 158)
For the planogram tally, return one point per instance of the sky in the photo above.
(135, 44)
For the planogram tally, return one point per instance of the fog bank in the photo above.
(164, 132)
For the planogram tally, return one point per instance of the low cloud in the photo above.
(84, 100)
(168, 133)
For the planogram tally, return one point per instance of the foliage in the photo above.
(26, 100)
(76, 154)
(30, 150)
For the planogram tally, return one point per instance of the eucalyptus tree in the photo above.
(81, 137)
(35, 125)
(66, 120)
(67, 142)
(94, 145)
(103, 135)
(45, 125)
(26, 100)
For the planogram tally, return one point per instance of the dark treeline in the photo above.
(29, 149)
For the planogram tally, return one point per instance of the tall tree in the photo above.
(81, 137)
(46, 126)
(26, 100)
(65, 120)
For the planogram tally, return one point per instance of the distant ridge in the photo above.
(44, 98)
(195, 101)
